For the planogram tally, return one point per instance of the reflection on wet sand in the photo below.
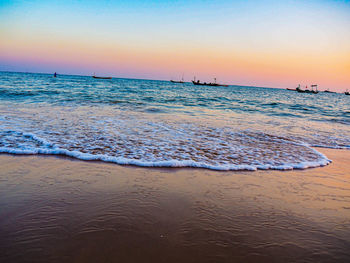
(64, 210)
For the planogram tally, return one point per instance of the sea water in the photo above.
(161, 124)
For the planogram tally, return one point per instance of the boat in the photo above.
(204, 83)
(208, 84)
(315, 91)
(347, 92)
(296, 89)
(95, 77)
(178, 81)
(328, 91)
(306, 90)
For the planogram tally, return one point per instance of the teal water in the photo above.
(158, 123)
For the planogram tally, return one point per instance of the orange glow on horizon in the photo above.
(237, 65)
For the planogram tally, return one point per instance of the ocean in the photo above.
(155, 123)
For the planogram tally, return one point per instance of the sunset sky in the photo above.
(261, 43)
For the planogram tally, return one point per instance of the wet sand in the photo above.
(55, 209)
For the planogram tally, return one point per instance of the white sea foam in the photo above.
(45, 147)
(110, 135)
(154, 123)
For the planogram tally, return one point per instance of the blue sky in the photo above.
(151, 38)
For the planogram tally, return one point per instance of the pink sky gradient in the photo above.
(275, 52)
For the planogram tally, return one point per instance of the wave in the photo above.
(44, 147)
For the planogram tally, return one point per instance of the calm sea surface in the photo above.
(158, 123)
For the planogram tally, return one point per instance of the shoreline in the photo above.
(58, 208)
(174, 164)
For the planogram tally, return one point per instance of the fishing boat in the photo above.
(296, 89)
(95, 77)
(306, 90)
(204, 83)
(178, 81)
(208, 84)
(328, 91)
(315, 91)
(347, 92)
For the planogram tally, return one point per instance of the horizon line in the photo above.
(66, 74)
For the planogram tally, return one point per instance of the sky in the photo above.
(266, 43)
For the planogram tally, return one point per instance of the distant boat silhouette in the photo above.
(178, 81)
(95, 77)
(347, 92)
(328, 91)
(298, 89)
(208, 84)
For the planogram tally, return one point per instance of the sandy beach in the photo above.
(175, 132)
(56, 209)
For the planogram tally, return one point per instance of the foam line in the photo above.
(169, 163)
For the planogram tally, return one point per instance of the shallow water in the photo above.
(158, 123)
